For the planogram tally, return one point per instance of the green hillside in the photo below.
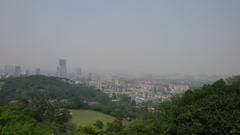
(25, 87)
(88, 117)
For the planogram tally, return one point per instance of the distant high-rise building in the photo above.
(9, 70)
(89, 76)
(62, 68)
(79, 72)
(37, 71)
(18, 71)
(27, 72)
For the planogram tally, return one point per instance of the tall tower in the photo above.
(37, 71)
(17, 71)
(62, 68)
(78, 72)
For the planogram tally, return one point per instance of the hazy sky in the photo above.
(155, 36)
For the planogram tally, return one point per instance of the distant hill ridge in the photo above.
(24, 87)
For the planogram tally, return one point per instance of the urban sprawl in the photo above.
(140, 89)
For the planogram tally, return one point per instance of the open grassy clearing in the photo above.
(88, 117)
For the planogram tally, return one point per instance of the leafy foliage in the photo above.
(213, 109)
(99, 124)
(16, 119)
(89, 130)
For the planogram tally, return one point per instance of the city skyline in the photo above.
(190, 37)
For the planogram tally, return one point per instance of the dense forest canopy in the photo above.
(25, 87)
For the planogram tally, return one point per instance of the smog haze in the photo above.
(187, 36)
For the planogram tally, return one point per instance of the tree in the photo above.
(89, 130)
(213, 109)
(137, 127)
(115, 126)
(99, 124)
(16, 119)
